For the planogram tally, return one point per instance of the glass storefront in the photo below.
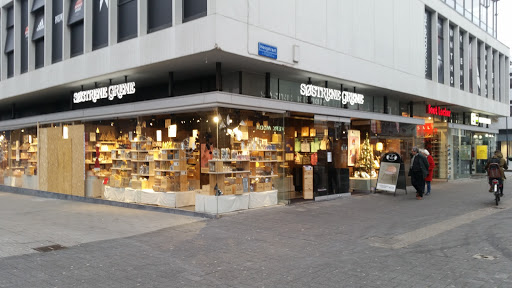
(191, 160)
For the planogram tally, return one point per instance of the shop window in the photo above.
(38, 38)
(193, 9)
(76, 23)
(57, 25)
(159, 14)
(127, 20)
(18, 158)
(100, 24)
(24, 36)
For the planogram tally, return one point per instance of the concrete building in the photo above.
(335, 73)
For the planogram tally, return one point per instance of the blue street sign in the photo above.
(267, 50)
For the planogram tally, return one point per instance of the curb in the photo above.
(53, 195)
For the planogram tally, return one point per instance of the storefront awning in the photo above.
(76, 11)
(37, 5)
(473, 128)
(201, 101)
(38, 27)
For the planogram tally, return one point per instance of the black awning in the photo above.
(38, 27)
(76, 11)
(37, 4)
(9, 41)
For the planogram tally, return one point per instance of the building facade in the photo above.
(182, 103)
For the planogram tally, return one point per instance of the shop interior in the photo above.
(185, 160)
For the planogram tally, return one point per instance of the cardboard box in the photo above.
(259, 187)
(268, 186)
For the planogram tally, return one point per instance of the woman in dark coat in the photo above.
(431, 166)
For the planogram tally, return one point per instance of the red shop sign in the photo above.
(438, 111)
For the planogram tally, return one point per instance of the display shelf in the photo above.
(263, 176)
(121, 159)
(89, 162)
(133, 160)
(229, 160)
(266, 161)
(121, 168)
(143, 175)
(229, 172)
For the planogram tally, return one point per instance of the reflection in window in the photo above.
(469, 10)
(461, 59)
(476, 12)
(470, 47)
(440, 51)
(428, 45)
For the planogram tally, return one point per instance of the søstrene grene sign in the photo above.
(331, 94)
(110, 93)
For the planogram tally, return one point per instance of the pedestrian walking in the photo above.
(431, 166)
(418, 171)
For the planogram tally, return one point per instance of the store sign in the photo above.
(475, 119)
(267, 50)
(328, 94)
(438, 111)
(270, 128)
(110, 92)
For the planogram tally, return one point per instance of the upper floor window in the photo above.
(100, 24)
(428, 44)
(193, 9)
(159, 14)
(127, 19)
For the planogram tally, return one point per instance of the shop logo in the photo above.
(101, 3)
(392, 157)
(438, 111)
(78, 5)
(58, 18)
(109, 93)
(331, 94)
(40, 26)
(475, 119)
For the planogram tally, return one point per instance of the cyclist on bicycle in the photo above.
(498, 159)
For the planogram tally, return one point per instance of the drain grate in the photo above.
(50, 248)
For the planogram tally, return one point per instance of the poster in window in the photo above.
(354, 142)
(465, 152)
(388, 176)
(481, 152)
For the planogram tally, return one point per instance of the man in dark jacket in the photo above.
(418, 171)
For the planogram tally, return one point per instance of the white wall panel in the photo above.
(364, 32)
(232, 9)
(384, 33)
(311, 21)
(276, 16)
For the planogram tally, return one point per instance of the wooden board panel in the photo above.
(77, 136)
(59, 162)
(43, 159)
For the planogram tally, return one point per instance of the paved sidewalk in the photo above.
(28, 222)
(456, 237)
